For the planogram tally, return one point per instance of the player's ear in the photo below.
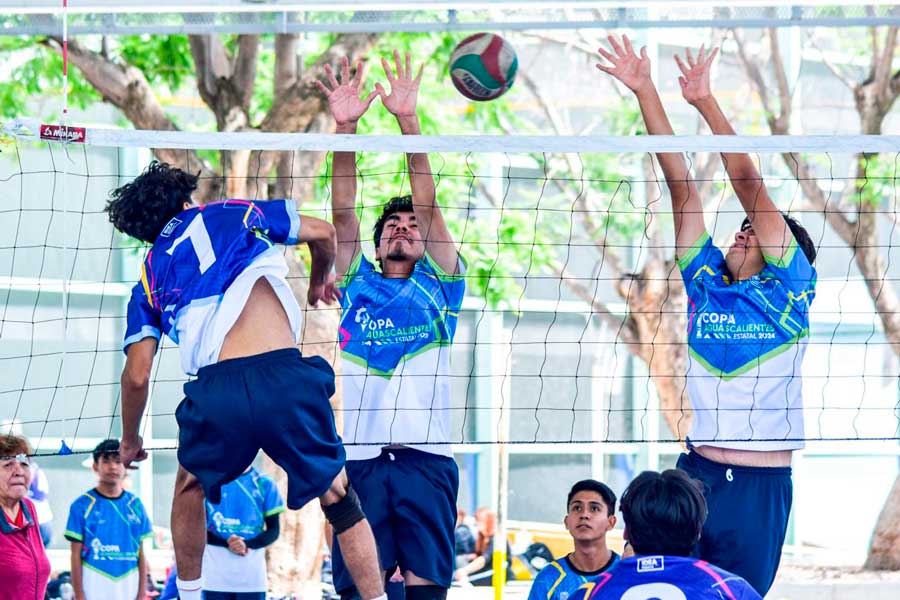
(612, 521)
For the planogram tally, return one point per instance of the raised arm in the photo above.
(321, 238)
(401, 102)
(634, 72)
(768, 224)
(346, 107)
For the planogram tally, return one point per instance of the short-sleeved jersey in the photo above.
(111, 531)
(395, 341)
(746, 341)
(200, 271)
(559, 580)
(246, 502)
(666, 578)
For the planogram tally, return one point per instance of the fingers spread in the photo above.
(607, 55)
(615, 44)
(681, 65)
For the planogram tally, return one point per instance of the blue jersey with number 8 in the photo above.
(199, 272)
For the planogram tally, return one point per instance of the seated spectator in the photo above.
(664, 515)
(24, 568)
(480, 570)
(590, 515)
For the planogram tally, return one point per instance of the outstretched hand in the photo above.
(344, 97)
(629, 68)
(401, 101)
(694, 78)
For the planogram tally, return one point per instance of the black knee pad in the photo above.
(425, 592)
(345, 513)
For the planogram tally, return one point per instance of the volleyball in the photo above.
(483, 66)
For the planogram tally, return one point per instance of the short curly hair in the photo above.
(142, 208)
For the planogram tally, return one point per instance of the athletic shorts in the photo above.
(409, 498)
(748, 517)
(277, 402)
(234, 595)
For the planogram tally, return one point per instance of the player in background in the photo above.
(762, 288)
(399, 319)
(107, 527)
(590, 515)
(238, 529)
(664, 514)
(214, 282)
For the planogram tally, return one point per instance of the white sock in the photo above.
(189, 590)
(381, 597)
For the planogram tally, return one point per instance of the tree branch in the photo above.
(784, 90)
(293, 110)
(126, 88)
(211, 65)
(842, 75)
(614, 321)
(243, 76)
(285, 62)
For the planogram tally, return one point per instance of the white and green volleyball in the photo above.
(483, 66)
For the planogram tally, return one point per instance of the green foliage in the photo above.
(164, 59)
(880, 183)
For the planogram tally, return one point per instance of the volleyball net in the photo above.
(573, 328)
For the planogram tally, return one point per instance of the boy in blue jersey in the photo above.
(397, 325)
(214, 282)
(106, 528)
(590, 515)
(748, 324)
(664, 514)
(238, 529)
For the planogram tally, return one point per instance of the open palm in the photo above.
(344, 98)
(401, 101)
(626, 66)
(694, 78)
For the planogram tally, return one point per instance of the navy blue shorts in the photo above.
(409, 498)
(748, 517)
(277, 402)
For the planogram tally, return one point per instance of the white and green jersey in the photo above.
(747, 340)
(395, 341)
(111, 531)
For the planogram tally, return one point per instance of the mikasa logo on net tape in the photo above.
(650, 563)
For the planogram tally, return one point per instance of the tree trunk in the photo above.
(884, 551)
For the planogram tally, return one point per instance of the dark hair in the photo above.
(799, 232)
(664, 512)
(143, 207)
(105, 448)
(395, 205)
(592, 485)
(11, 445)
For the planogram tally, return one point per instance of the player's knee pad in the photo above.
(345, 513)
(425, 592)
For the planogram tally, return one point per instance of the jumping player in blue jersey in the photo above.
(664, 514)
(399, 319)
(214, 282)
(590, 515)
(748, 325)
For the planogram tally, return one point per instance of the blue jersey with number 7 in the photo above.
(196, 259)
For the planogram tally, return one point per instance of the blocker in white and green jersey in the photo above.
(246, 502)
(747, 340)
(111, 531)
(395, 340)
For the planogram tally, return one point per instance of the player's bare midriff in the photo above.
(263, 325)
(746, 458)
